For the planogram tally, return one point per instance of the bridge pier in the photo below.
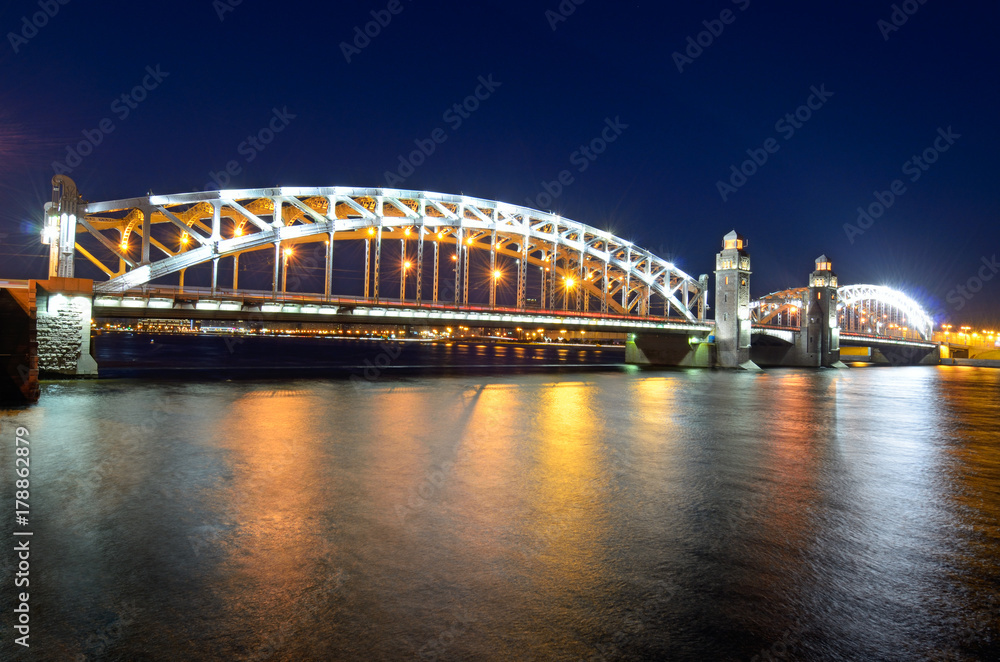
(682, 351)
(817, 342)
(63, 315)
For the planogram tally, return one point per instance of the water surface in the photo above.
(625, 514)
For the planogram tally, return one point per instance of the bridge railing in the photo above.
(259, 297)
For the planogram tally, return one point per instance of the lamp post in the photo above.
(497, 274)
(402, 280)
(569, 286)
(287, 253)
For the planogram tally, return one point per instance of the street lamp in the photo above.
(569, 286)
(402, 280)
(287, 253)
(497, 275)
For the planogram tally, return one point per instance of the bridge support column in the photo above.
(819, 340)
(63, 313)
(437, 247)
(554, 259)
(604, 290)
(522, 275)
(493, 269)
(732, 304)
(402, 270)
(328, 272)
(277, 260)
(669, 350)
(543, 287)
(628, 279)
(465, 274)
(420, 264)
(459, 252)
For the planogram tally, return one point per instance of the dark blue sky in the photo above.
(656, 184)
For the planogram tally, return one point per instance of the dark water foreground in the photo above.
(621, 515)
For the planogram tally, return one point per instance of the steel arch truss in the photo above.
(874, 309)
(574, 258)
(881, 310)
(779, 308)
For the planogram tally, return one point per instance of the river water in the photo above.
(616, 514)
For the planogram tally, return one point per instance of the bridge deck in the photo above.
(255, 306)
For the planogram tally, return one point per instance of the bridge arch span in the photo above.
(870, 309)
(576, 261)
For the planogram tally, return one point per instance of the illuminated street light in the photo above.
(402, 280)
(493, 287)
(286, 254)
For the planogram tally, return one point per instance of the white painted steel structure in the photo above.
(573, 258)
(874, 309)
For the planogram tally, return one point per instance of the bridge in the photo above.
(418, 258)
(874, 323)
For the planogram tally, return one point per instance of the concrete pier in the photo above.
(63, 320)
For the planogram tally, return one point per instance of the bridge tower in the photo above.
(820, 327)
(59, 232)
(732, 304)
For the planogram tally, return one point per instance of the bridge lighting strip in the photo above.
(886, 341)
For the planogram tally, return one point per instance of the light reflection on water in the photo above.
(617, 515)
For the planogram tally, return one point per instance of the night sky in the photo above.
(882, 91)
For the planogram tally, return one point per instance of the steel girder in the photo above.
(768, 308)
(613, 269)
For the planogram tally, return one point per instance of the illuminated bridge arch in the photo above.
(867, 309)
(579, 265)
(881, 310)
